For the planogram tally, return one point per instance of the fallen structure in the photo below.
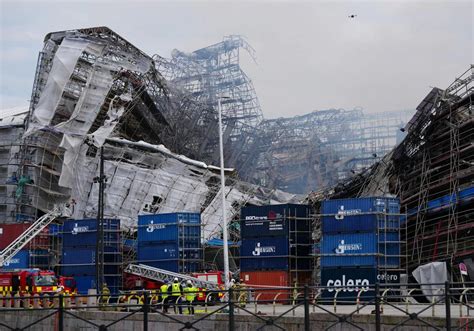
(297, 154)
(93, 90)
(432, 171)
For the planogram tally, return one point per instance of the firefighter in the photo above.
(175, 292)
(235, 290)
(190, 295)
(242, 293)
(164, 296)
(104, 298)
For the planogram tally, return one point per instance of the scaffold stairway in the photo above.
(166, 276)
(35, 229)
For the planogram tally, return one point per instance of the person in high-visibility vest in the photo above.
(190, 294)
(175, 292)
(164, 296)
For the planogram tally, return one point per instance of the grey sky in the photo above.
(310, 54)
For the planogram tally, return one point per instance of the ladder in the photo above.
(35, 229)
(166, 276)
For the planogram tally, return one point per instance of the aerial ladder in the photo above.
(166, 276)
(35, 229)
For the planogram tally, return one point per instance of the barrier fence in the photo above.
(446, 306)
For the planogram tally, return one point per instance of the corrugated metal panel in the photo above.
(88, 225)
(19, 261)
(77, 233)
(349, 249)
(76, 270)
(82, 260)
(267, 263)
(264, 254)
(269, 279)
(155, 252)
(168, 251)
(84, 283)
(9, 232)
(164, 227)
(264, 247)
(351, 215)
(176, 265)
(272, 220)
(350, 280)
(88, 270)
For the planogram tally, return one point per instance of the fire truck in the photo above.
(68, 284)
(214, 277)
(32, 281)
(154, 277)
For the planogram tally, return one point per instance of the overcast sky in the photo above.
(310, 55)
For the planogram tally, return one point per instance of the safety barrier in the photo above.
(384, 298)
(463, 295)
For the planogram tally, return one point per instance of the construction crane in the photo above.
(166, 276)
(35, 229)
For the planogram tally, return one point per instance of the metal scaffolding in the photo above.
(432, 171)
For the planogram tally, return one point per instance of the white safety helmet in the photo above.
(176, 279)
(189, 282)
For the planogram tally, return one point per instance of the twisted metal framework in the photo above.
(296, 154)
(432, 171)
(304, 153)
(208, 74)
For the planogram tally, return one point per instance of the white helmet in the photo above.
(189, 282)
(176, 279)
(232, 280)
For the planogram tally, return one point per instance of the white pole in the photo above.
(224, 216)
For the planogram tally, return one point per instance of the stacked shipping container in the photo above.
(35, 254)
(78, 258)
(170, 241)
(360, 244)
(276, 245)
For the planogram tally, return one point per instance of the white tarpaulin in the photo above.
(433, 275)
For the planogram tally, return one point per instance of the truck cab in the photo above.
(211, 276)
(28, 281)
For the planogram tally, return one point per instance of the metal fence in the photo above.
(444, 306)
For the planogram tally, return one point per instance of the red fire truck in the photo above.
(133, 282)
(211, 276)
(68, 284)
(30, 281)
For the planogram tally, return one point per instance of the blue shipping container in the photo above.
(84, 283)
(158, 252)
(176, 265)
(88, 270)
(20, 260)
(357, 215)
(350, 281)
(168, 251)
(273, 220)
(164, 227)
(349, 249)
(84, 232)
(264, 254)
(82, 260)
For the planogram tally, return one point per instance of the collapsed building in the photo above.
(297, 154)
(153, 122)
(95, 91)
(432, 172)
